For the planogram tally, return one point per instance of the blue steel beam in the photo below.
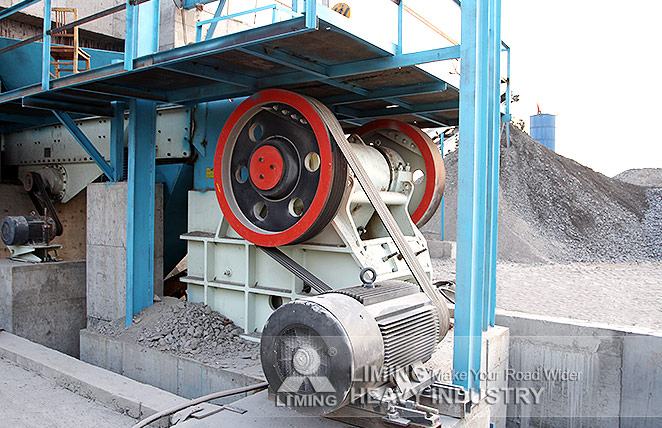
(403, 91)
(15, 8)
(46, 48)
(85, 143)
(368, 66)
(25, 118)
(421, 108)
(190, 4)
(140, 207)
(428, 117)
(212, 25)
(472, 193)
(212, 73)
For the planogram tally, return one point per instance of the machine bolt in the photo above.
(228, 272)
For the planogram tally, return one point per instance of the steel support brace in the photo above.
(212, 26)
(15, 8)
(140, 207)
(85, 143)
(472, 193)
(46, 48)
(493, 153)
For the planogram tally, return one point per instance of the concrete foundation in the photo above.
(588, 374)
(178, 375)
(106, 250)
(44, 302)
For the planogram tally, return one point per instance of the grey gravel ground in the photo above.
(626, 294)
(647, 177)
(190, 330)
(28, 400)
(553, 209)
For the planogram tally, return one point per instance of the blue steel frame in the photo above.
(478, 158)
(478, 170)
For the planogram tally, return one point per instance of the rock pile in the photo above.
(647, 177)
(188, 329)
(553, 209)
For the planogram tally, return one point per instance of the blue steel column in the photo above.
(46, 48)
(140, 207)
(489, 292)
(117, 141)
(441, 205)
(141, 176)
(472, 193)
(131, 35)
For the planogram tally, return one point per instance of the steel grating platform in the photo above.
(357, 79)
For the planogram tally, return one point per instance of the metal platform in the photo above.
(359, 80)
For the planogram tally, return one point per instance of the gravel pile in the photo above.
(187, 329)
(553, 209)
(647, 177)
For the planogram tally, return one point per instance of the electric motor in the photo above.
(21, 230)
(322, 352)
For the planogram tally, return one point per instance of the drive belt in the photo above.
(299, 271)
(380, 207)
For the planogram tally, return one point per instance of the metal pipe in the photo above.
(204, 399)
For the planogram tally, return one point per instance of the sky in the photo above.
(597, 65)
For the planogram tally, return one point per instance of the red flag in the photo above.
(538, 105)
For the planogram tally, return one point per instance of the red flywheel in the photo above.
(279, 178)
(423, 157)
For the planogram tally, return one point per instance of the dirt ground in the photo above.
(28, 400)
(624, 294)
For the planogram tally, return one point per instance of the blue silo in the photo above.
(543, 129)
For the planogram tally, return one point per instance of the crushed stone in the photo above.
(647, 177)
(553, 209)
(187, 329)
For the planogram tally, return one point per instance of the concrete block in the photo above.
(138, 363)
(44, 302)
(441, 249)
(106, 282)
(642, 380)
(106, 250)
(101, 351)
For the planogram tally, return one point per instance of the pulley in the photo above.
(424, 159)
(279, 178)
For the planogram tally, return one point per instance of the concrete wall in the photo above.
(182, 376)
(613, 376)
(44, 302)
(106, 250)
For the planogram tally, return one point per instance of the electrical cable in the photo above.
(203, 399)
